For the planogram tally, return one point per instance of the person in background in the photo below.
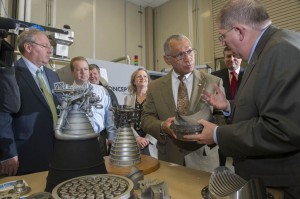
(162, 99)
(95, 78)
(9, 103)
(232, 74)
(102, 119)
(33, 125)
(138, 90)
(232, 77)
(264, 137)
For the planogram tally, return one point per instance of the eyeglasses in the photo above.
(181, 55)
(222, 36)
(43, 46)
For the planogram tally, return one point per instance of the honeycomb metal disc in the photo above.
(102, 186)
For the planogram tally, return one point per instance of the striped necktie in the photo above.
(183, 97)
(47, 95)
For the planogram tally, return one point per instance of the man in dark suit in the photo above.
(162, 97)
(264, 137)
(9, 103)
(233, 65)
(232, 77)
(33, 124)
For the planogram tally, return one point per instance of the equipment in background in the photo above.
(76, 150)
(61, 42)
(60, 39)
(6, 50)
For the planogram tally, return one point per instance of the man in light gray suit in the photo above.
(264, 137)
(161, 100)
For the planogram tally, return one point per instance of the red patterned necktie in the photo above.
(182, 98)
(233, 83)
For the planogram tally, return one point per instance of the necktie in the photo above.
(48, 96)
(183, 98)
(233, 83)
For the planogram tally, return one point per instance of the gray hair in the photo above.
(167, 49)
(27, 36)
(93, 66)
(247, 12)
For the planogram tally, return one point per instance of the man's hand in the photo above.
(10, 166)
(217, 100)
(207, 134)
(142, 142)
(165, 127)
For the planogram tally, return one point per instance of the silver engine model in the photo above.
(225, 184)
(76, 150)
(124, 150)
(73, 123)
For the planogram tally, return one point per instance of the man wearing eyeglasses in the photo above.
(264, 138)
(162, 99)
(33, 125)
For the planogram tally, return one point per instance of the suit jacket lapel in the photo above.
(259, 48)
(199, 83)
(167, 93)
(26, 75)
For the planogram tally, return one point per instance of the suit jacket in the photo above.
(33, 128)
(264, 138)
(9, 103)
(224, 75)
(160, 106)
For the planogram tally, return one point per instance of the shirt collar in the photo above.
(31, 67)
(236, 70)
(174, 74)
(255, 43)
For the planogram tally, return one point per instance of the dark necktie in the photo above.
(182, 98)
(233, 83)
(48, 96)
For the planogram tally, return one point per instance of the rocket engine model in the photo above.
(76, 150)
(124, 150)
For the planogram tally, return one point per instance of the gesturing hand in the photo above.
(217, 100)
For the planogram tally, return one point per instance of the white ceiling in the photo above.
(148, 3)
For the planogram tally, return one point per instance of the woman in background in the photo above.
(138, 89)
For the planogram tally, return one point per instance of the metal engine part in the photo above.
(188, 124)
(225, 184)
(102, 186)
(153, 189)
(73, 123)
(124, 149)
(20, 188)
(136, 175)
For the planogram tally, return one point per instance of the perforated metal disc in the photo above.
(104, 186)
